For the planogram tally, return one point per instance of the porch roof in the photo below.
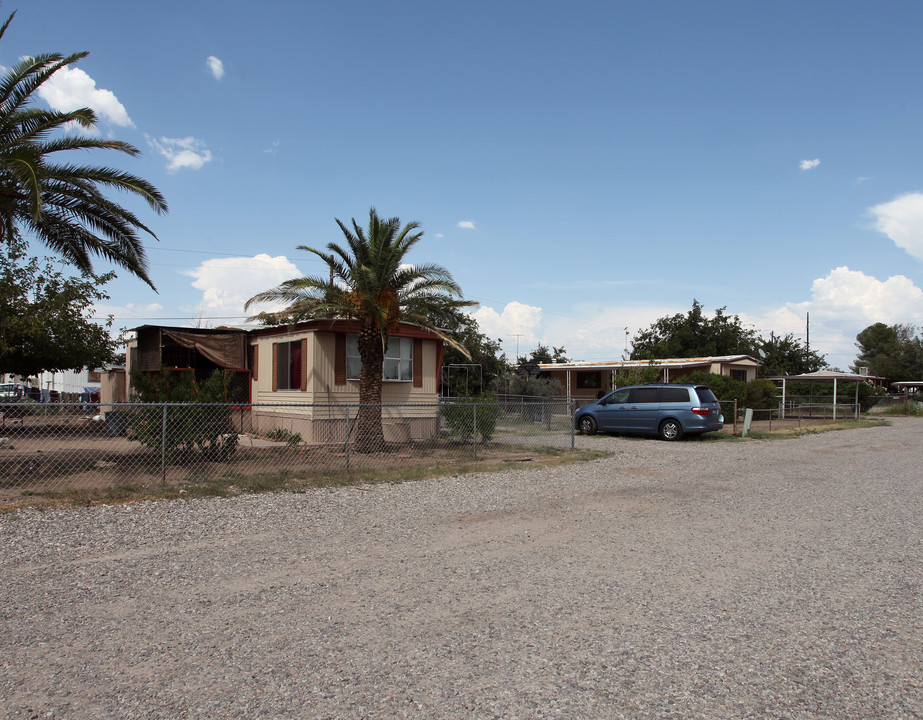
(661, 363)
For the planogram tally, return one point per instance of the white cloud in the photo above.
(842, 304)
(809, 164)
(902, 220)
(71, 89)
(515, 319)
(181, 152)
(215, 67)
(438, 235)
(466, 224)
(227, 283)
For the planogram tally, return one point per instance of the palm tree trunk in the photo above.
(369, 433)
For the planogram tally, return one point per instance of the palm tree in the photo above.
(370, 282)
(61, 203)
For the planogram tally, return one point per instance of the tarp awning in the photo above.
(228, 351)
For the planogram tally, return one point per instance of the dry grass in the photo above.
(294, 473)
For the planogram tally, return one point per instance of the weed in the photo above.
(227, 483)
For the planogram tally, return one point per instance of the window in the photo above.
(740, 375)
(674, 395)
(591, 380)
(399, 360)
(618, 397)
(353, 361)
(398, 365)
(288, 366)
(643, 395)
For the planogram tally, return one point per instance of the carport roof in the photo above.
(661, 363)
(829, 376)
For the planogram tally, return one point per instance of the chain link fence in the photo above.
(51, 450)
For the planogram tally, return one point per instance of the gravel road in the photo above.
(672, 580)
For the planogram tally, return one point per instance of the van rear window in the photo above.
(705, 394)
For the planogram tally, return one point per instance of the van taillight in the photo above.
(701, 411)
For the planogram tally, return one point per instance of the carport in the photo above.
(826, 376)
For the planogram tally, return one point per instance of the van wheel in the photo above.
(587, 425)
(670, 430)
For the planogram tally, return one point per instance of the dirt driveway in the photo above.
(671, 580)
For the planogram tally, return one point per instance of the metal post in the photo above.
(573, 430)
(163, 447)
(346, 450)
(474, 428)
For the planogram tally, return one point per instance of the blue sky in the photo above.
(580, 169)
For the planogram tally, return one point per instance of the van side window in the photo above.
(677, 394)
(643, 395)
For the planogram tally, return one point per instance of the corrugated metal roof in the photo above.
(661, 363)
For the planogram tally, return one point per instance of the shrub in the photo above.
(756, 394)
(469, 415)
(195, 428)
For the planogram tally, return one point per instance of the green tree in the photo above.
(694, 335)
(891, 351)
(757, 394)
(475, 372)
(61, 203)
(515, 383)
(197, 423)
(44, 316)
(371, 282)
(546, 355)
(786, 355)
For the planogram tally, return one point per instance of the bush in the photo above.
(469, 414)
(757, 394)
(196, 428)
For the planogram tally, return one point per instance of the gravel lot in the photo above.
(672, 580)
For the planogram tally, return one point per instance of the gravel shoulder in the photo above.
(671, 580)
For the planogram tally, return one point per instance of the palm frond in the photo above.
(63, 204)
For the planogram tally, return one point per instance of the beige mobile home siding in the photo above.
(415, 417)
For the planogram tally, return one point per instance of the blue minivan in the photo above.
(668, 411)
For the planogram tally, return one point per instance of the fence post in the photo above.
(571, 407)
(346, 448)
(163, 447)
(735, 416)
(474, 428)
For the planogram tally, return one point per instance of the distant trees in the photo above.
(787, 355)
(891, 351)
(477, 372)
(694, 334)
(544, 354)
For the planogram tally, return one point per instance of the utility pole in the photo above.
(517, 336)
(807, 329)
